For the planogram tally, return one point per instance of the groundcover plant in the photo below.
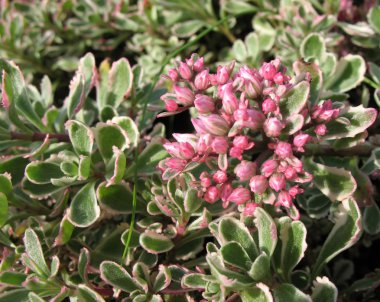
(189, 151)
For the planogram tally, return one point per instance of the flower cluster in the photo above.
(240, 114)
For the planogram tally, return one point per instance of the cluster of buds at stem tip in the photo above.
(238, 114)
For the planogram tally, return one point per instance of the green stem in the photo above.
(142, 122)
(371, 83)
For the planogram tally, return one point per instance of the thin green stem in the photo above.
(371, 83)
(142, 122)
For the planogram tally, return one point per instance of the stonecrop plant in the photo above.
(171, 151)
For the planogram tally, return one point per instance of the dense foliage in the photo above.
(188, 150)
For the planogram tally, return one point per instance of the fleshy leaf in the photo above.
(81, 137)
(316, 78)
(313, 47)
(260, 293)
(374, 18)
(155, 243)
(371, 219)
(324, 290)
(344, 234)
(87, 294)
(3, 209)
(34, 251)
(295, 100)
(43, 172)
(288, 292)
(108, 136)
(115, 275)
(84, 209)
(349, 73)
(120, 79)
(130, 127)
(234, 254)
(336, 183)
(260, 269)
(267, 231)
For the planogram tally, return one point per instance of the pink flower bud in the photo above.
(236, 152)
(258, 184)
(240, 195)
(269, 106)
(269, 167)
(242, 142)
(222, 75)
(219, 145)
(229, 101)
(215, 124)
(204, 143)
(268, 71)
(212, 194)
(226, 191)
(301, 140)
(176, 163)
(279, 78)
(173, 74)
(250, 208)
(186, 150)
(205, 179)
(294, 191)
(199, 65)
(204, 103)
(273, 127)
(320, 130)
(171, 105)
(241, 115)
(184, 95)
(202, 80)
(284, 199)
(245, 170)
(220, 177)
(185, 71)
(255, 119)
(199, 126)
(277, 181)
(290, 173)
(283, 149)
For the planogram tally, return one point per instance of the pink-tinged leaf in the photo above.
(155, 243)
(120, 79)
(345, 233)
(4, 96)
(267, 231)
(179, 110)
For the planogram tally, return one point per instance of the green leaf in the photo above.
(16, 94)
(191, 201)
(336, 183)
(260, 293)
(260, 269)
(118, 198)
(313, 47)
(233, 230)
(344, 234)
(374, 18)
(239, 50)
(349, 73)
(238, 7)
(267, 231)
(360, 119)
(148, 159)
(371, 219)
(87, 294)
(43, 172)
(19, 295)
(293, 244)
(374, 70)
(6, 184)
(84, 167)
(194, 280)
(287, 292)
(234, 254)
(115, 275)
(81, 84)
(81, 137)
(324, 290)
(108, 136)
(295, 99)
(47, 95)
(266, 33)
(316, 78)
(65, 231)
(12, 278)
(120, 79)
(34, 251)
(155, 243)
(54, 266)
(83, 264)
(252, 45)
(129, 127)
(116, 167)
(3, 209)
(294, 123)
(35, 298)
(162, 279)
(187, 28)
(84, 209)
